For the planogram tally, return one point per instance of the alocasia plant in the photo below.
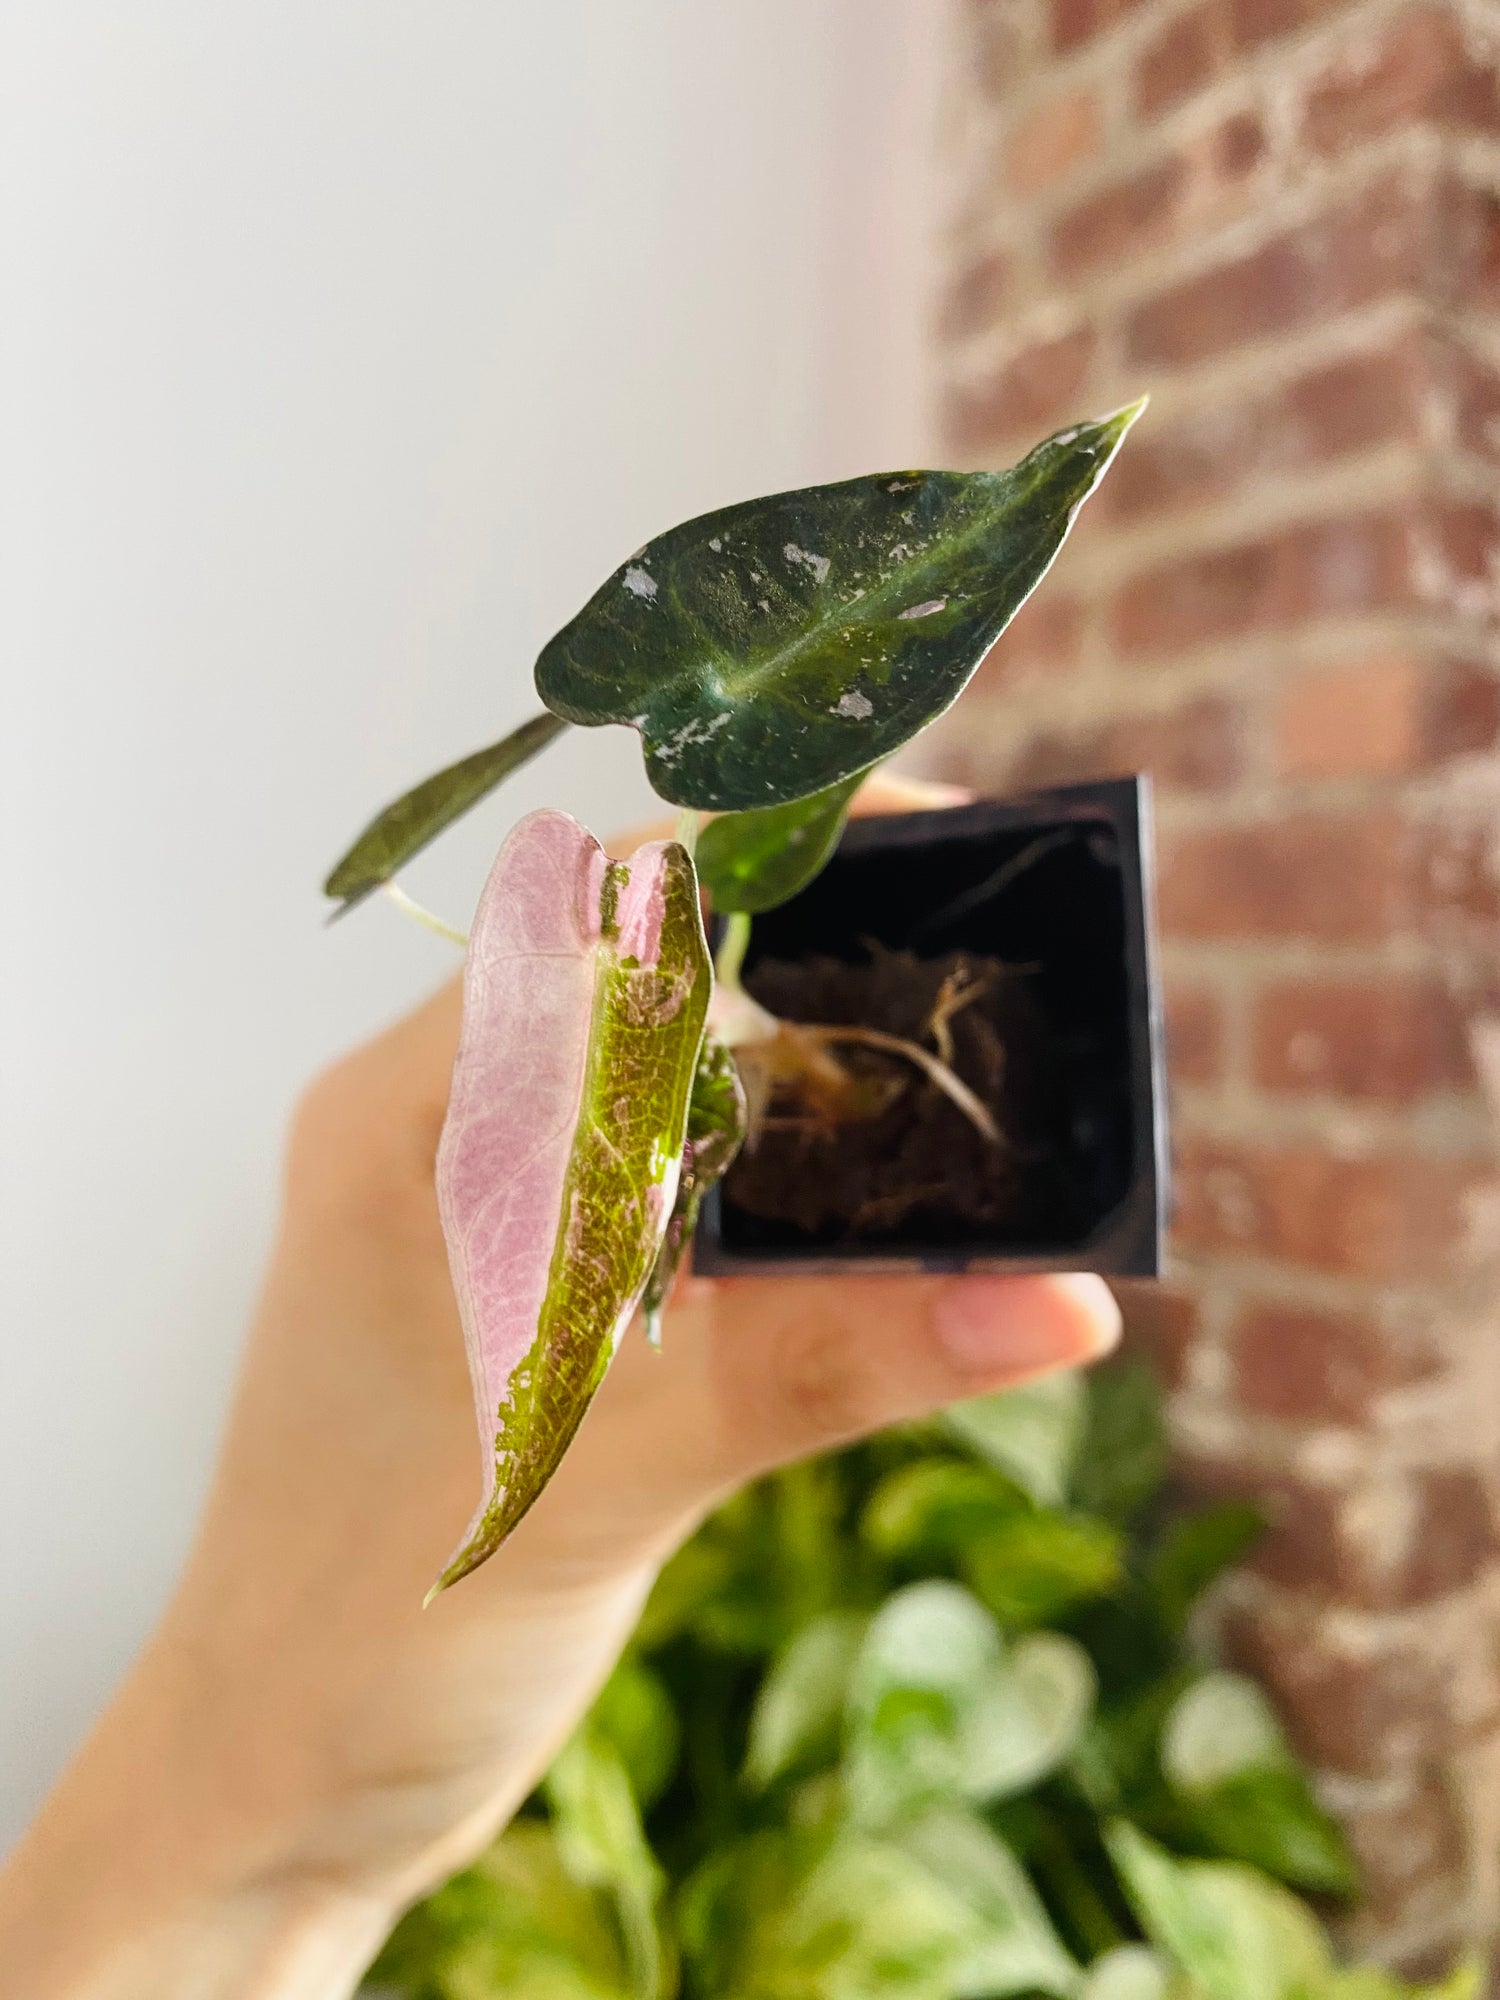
(769, 655)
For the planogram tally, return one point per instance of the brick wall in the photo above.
(1282, 217)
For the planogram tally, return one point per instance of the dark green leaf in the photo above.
(1271, 1819)
(420, 815)
(633, 1712)
(1031, 1568)
(775, 648)
(602, 1845)
(752, 861)
(936, 1507)
(1125, 1448)
(1196, 1552)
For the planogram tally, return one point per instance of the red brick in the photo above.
(1161, 1325)
(1389, 1218)
(1456, 871)
(1462, 266)
(1454, 1539)
(1305, 1367)
(1467, 538)
(1045, 634)
(1392, 1040)
(1255, 21)
(1205, 453)
(1371, 245)
(976, 298)
(1196, 748)
(1077, 21)
(1336, 877)
(1438, 1535)
(1054, 138)
(1118, 224)
(1474, 388)
(1347, 1709)
(1039, 388)
(1315, 569)
(995, 44)
(1369, 717)
(1195, 1034)
(1410, 1850)
(1238, 146)
(1178, 60)
(1416, 69)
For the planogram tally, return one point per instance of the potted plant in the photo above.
(770, 655)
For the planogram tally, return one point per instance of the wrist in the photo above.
(150, 1871)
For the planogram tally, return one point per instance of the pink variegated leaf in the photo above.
(585, 992)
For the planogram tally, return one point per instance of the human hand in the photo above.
(303, 1749)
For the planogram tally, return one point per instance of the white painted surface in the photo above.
(346, 347)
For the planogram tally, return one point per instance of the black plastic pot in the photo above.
(1060, 882)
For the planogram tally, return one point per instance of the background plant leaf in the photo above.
(1034, 1567)
(1123, 1458)
(1031, 1434)
(1236, 1935)
(1221, 1725)
(603, 1845)
(586, 987)
(772, 649)
(1030, 1717)
(516, 1923)
(1195, 1552)
(1020, 1951)
(800, 1704)
(404, 827)
(1272, 1819)
(752, 861)
(936, 1508)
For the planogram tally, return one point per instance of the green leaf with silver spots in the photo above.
(775, 648)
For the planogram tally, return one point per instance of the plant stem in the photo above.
(732, 948)
(686, 830)
(414, 909)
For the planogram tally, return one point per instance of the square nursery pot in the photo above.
(1057, 888)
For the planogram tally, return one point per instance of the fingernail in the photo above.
(991, 1326)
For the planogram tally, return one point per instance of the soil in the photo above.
(918, 1169)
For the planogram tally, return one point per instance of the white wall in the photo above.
(345, 348)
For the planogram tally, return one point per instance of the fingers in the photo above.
(889, 792)
(882, 792)
(806, 1364)
(756, 1372)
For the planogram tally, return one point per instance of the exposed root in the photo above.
(959, 990)
(953, 1087)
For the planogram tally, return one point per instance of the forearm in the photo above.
(226, 1840)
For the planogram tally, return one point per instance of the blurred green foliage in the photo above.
(925, 1720)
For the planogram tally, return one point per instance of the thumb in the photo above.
(795, 1366)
